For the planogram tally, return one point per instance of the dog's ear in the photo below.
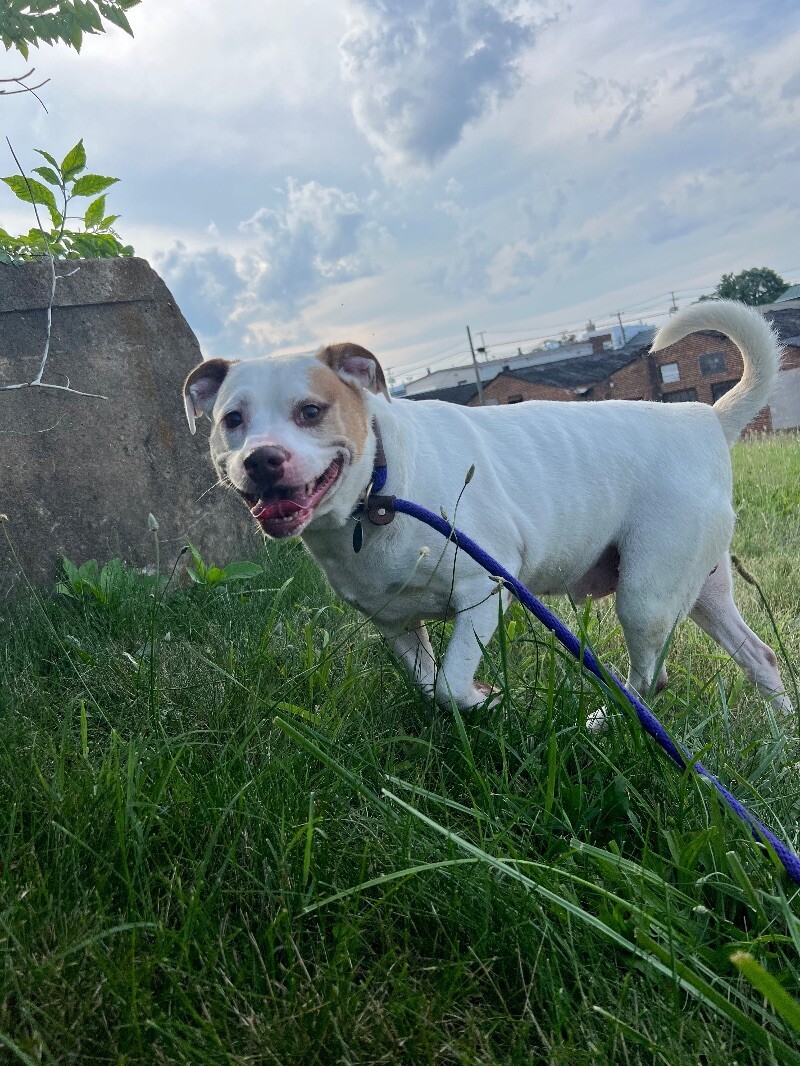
(201, 387)
(354, 363)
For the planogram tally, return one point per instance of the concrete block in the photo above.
(79, 475)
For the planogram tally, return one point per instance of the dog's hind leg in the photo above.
(717, 614)
(661, 575)
(648, 610)
(646, 638)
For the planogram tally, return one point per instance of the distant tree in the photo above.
(29, 23)
(758, 285)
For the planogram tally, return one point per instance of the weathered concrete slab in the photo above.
(79, 475)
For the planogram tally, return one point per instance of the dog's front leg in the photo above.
(472, 631)
(413, 649)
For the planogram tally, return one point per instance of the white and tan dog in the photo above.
(579, 498)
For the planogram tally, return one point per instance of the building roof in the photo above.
(792, 293)
(455, 394)
(572, 373)
(786, 323)
(784, 320)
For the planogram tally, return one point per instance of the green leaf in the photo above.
(774, 992)
(48, 175)
(88, 19)
(301, 712)
(31, 191)
(241, 571)
(109, 220)
(195, 554)
(113, 14)
(214, 575)
(71, 570)
(91, 184)
(47, 156)
(74, 161)
(94, 212)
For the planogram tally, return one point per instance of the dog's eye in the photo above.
(232, 420)
(310, 412)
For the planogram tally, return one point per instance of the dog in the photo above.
(587, 499)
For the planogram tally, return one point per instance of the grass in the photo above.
(231, 832)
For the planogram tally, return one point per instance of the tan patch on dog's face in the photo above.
(346, 415)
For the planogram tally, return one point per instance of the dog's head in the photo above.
(288, 431)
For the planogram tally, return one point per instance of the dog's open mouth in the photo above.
(286, 509)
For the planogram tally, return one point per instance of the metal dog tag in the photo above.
(358, 536)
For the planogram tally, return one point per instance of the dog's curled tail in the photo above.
(755, 339)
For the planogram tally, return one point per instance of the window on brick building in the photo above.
(719, 388)
(712, 363)
(670, 373)
(681, 396)
(516, 398)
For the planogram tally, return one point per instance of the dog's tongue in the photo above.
(275, 509)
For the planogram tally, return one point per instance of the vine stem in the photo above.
(37, 381)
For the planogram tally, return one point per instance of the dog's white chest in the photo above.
(392, 579)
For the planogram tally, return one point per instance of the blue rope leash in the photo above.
(651, 725)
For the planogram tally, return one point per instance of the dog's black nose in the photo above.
(264, 466)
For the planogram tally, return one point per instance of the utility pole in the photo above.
(482, 348)
(674, 307)
(624, 338)
(477, 372)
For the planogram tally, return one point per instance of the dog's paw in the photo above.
(479, 695)
(482, 695)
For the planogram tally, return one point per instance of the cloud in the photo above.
(516, 265)
(624, 102)
(317, 236)
(791, 88)
(545, 214)
(664, 220)
(421, 70)
(206, 284)
(719, 89)
(464, 269)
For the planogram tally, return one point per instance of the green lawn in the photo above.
(231, 832)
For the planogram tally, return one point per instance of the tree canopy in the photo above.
(29, 23)
(758, 285)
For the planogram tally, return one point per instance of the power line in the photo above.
(627, 316)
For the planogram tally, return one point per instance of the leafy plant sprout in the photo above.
(63, 184)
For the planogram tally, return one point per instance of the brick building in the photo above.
(703, 366)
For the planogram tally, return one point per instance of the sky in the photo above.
(389, 171)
